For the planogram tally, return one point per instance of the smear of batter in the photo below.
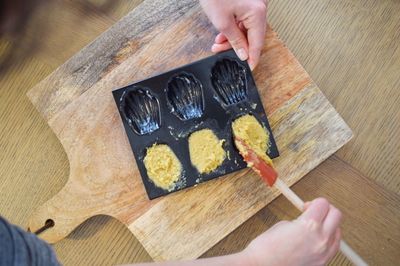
(254, 135)
(206, 151)
(162, 165)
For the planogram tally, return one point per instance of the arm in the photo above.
(18, 247)
(238, 259)
(312, 239)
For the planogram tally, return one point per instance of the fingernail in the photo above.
(251, 65)
(241, 53)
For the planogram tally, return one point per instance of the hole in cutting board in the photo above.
(47, 225)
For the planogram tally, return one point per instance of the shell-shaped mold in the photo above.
(141, 110)
(228, 78)
(185, 96)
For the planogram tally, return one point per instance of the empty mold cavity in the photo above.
(228, 78)
(185, 96)
(141, 110)
(206, 151)
(163, 167)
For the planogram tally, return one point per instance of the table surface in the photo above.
(350, 48)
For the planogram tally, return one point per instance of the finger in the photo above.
(237, 39)
(280, 223)
(220, 38)
(256, 26)
(306, 205)
(241, 26)
(216, 48)
(334, 247)
(332, 220)
(316, 211)
(256, 37)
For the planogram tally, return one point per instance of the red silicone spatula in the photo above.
(270, 176)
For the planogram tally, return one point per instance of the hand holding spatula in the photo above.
(265, 169)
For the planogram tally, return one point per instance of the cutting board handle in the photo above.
(59, 216)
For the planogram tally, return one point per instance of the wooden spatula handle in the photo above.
(289, 194)
(299, 203)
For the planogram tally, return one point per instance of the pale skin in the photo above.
(311, 239)
(241, 25)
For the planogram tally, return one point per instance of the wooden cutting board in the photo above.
(76, 101)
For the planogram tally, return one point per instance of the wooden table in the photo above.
(350, 48)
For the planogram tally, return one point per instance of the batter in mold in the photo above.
(254, 135)
(206, 151)
(162, 165)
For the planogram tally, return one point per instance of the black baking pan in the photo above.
(167, 108)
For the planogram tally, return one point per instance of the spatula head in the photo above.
(261, 167)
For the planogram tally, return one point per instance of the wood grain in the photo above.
(368, 43)
(185, 225)
(28, 176)
(371, 226)
(104, 178)
(93, 62)
(351, 49)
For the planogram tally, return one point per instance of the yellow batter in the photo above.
(206, 152)
(254, 135)
(162, 165)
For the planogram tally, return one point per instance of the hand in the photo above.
(241, 24)
(312, 239)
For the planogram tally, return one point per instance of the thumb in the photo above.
(237, 39)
